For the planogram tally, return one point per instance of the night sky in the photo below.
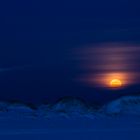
(40, 43)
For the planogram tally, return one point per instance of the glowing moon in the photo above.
(115, 83)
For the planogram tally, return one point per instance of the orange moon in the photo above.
(115, 83)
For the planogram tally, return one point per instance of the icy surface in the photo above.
(71, 118)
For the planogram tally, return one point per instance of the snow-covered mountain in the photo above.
(69, 107)
(15, 109)
(72, 107)
(124, 105)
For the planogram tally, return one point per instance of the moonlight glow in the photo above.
(109, 65)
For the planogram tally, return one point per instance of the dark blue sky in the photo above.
(40, 36)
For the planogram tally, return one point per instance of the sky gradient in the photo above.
(42, 35)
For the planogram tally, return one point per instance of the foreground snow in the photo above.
(71, 119)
